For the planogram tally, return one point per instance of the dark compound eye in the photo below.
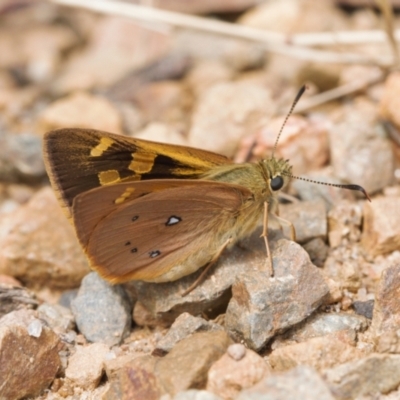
(276, 183)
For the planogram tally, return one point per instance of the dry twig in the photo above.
(293, 46)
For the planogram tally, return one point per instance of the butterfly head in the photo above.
(277, 173)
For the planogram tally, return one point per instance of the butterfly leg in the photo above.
(290, 225)
(206, 269)
(288, 197)
(265, 236)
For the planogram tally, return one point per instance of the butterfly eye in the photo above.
(276, 183)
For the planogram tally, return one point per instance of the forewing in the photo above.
(78, 160)
(145, 237)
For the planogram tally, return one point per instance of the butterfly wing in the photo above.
(78, 160)
(145, 237)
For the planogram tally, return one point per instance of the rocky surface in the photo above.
(325, 325)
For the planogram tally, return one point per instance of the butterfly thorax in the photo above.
(257, 177)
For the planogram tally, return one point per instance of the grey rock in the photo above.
(364, 308)
(317, 250)
(298, 383)
(308, 218)
(324, 324)
(67, 297)
(194, 394)
(102, 311)
(14, 298)
(263, 306)
(21, 158)
(377, 373)
(57, 317)
(184, 326)
(164, 301)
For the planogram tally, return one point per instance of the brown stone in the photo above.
(355, 142)
(342, 267)
(294, 16)
(304, 142)
(244, 106)
(111, 38)
(344, 223)
(143, 317)
(164, 101)
(39, 246)
(186, 366)
(29, 358)
(388, 342)
(319, 353)
(381, 233)
(37, 46)
(228, 376)
(136, 380)
(308, 218)
(386, 316)
(9, 281)
(85, 366)
(162, 133)
(375, 374)
(98, 113)
(207, 74)
(299, 383)
(184, 326)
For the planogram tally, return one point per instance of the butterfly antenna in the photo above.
(297, 98)
(348, 187)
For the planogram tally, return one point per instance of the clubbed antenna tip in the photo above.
(357, 187)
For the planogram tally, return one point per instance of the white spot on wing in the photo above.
(172, 220)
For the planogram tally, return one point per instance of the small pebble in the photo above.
(35, 328)
(236, 351)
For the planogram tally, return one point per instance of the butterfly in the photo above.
(157, 212)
